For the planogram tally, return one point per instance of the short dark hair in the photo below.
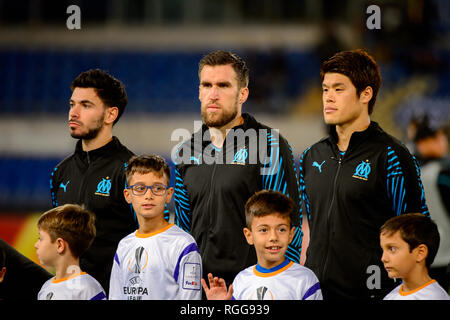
(415, 229)
(266, 202)
(360, 67)
(109, 89)
(71, 222)
(147, 163)
(221, 58)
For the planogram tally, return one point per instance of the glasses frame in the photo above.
(149, 187)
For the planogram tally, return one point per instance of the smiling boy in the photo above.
(274, 277)
(410, 243)
(159, 260)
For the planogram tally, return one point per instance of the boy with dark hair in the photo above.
(274, 277)
(65, 233)
(159, 260)
(410, 243)
(94, 175)
(353, 181)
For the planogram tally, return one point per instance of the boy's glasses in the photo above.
(141, 189)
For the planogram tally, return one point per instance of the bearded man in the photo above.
(94, 175)
(224, 164)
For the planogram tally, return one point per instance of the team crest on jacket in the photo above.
(240, 156)
(362, 171)
(104, 187)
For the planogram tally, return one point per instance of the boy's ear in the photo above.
(248, 236)
(61, 245)
(169, 194)
(421, 252)
(127, 195)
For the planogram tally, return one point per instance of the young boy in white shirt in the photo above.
(65, 233)
(274, 277)
(410, 243)
(158, 261)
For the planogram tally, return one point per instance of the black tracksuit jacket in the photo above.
(97, 179)
(347, 199)
(210, 197)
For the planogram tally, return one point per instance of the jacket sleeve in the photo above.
(116, 282)
(188, 273)
(404, 186)
(279, 174)
(303, 197)
(182, 204)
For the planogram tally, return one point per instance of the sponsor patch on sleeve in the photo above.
(191, 276)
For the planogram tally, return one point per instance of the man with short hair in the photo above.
(353, 181)
(94, 175)
(225, 163)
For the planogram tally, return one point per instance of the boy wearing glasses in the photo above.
(159, 260)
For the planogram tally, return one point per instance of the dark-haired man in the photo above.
(236, 156)
(94, 175)
(353, 181)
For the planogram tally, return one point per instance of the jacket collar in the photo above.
(249, 122)
(107, 149)
(357, 136)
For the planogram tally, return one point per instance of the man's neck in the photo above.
(218, 134)
(345, 131)
(102, 139)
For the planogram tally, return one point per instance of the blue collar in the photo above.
(273, 269)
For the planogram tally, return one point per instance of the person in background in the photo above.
(431, 150)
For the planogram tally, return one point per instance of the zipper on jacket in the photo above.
(210, 210)
(325, 260)
(81, 191)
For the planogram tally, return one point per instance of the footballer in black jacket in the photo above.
(94, 175)
(353, 181)
(96, 179)
(348, 197)
(212, 186)
(223, 164)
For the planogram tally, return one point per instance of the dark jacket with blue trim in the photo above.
(212, 186)
(96, 179)
(347, 199)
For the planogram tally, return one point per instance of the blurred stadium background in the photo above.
(154, 46)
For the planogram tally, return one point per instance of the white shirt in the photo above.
(429, 291)
(163, 265)
(79, 287)
(287, 281)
